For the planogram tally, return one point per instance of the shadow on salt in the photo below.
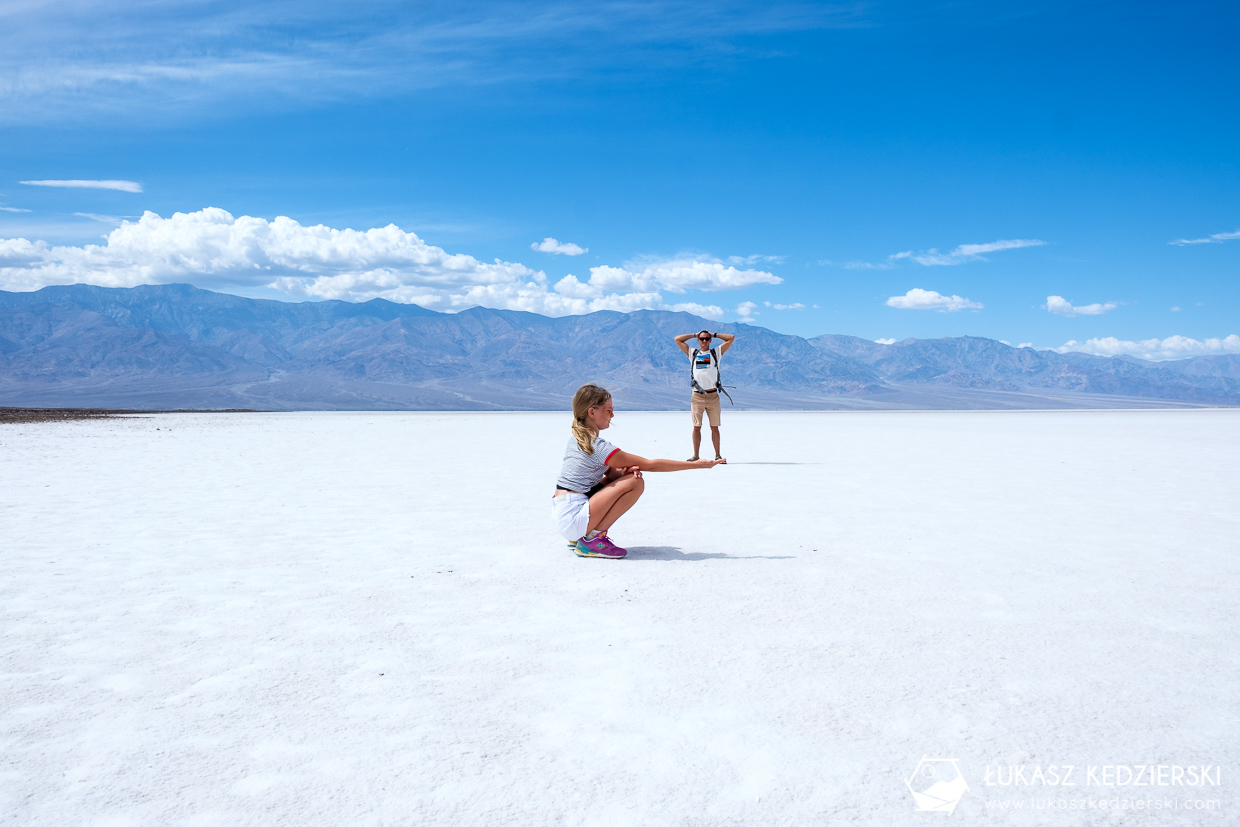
(776, 463)
(674, 553)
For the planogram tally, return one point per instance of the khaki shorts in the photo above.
(707, 403)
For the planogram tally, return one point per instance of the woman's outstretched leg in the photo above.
(609, 504)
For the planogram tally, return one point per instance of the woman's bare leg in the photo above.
(609, 505)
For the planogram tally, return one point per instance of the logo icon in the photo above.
(937, 785)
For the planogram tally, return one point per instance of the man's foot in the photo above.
(599, 546)
(693, 458)
(718, 458)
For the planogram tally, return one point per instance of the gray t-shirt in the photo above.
(583, 471)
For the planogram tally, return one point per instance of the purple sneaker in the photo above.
(572, 545)
(599, 546)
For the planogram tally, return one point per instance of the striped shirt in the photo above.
(583, 471)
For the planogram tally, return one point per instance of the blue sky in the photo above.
(877, 169)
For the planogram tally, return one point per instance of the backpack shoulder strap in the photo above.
(693, 382)
(719, 377)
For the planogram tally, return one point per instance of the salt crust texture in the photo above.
(328, 619)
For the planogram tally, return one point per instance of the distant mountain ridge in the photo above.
(171, 346)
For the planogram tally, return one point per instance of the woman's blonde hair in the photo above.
(587, 397)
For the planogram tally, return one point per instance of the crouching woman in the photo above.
(599, 482)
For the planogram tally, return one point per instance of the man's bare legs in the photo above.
(697, 439)
(609, 504)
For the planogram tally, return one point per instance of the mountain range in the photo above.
(176, 346)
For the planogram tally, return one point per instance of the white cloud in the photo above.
(918, 299)
(13, 209)
(1217, 238)
(888, 263)
(1062, 307)
(162, 58)
(570, 287)
(885, 341)
(933, 258)
(970, 252)
(1157, 350)
(710, 311)
(795, 306)
(677, 275)
(755, 259)
(868, 265)
(1177, 309)
(560, 248)
(123, 186)
(210, 248)
(102, 219)
(745, 310)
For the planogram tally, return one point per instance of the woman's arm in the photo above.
(622, 459)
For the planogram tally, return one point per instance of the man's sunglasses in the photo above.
(704, 338)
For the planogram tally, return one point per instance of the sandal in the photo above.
(725, 462)
(693, 458)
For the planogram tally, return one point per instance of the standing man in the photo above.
(704, 364)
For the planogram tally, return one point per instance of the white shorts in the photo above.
(571, 513)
